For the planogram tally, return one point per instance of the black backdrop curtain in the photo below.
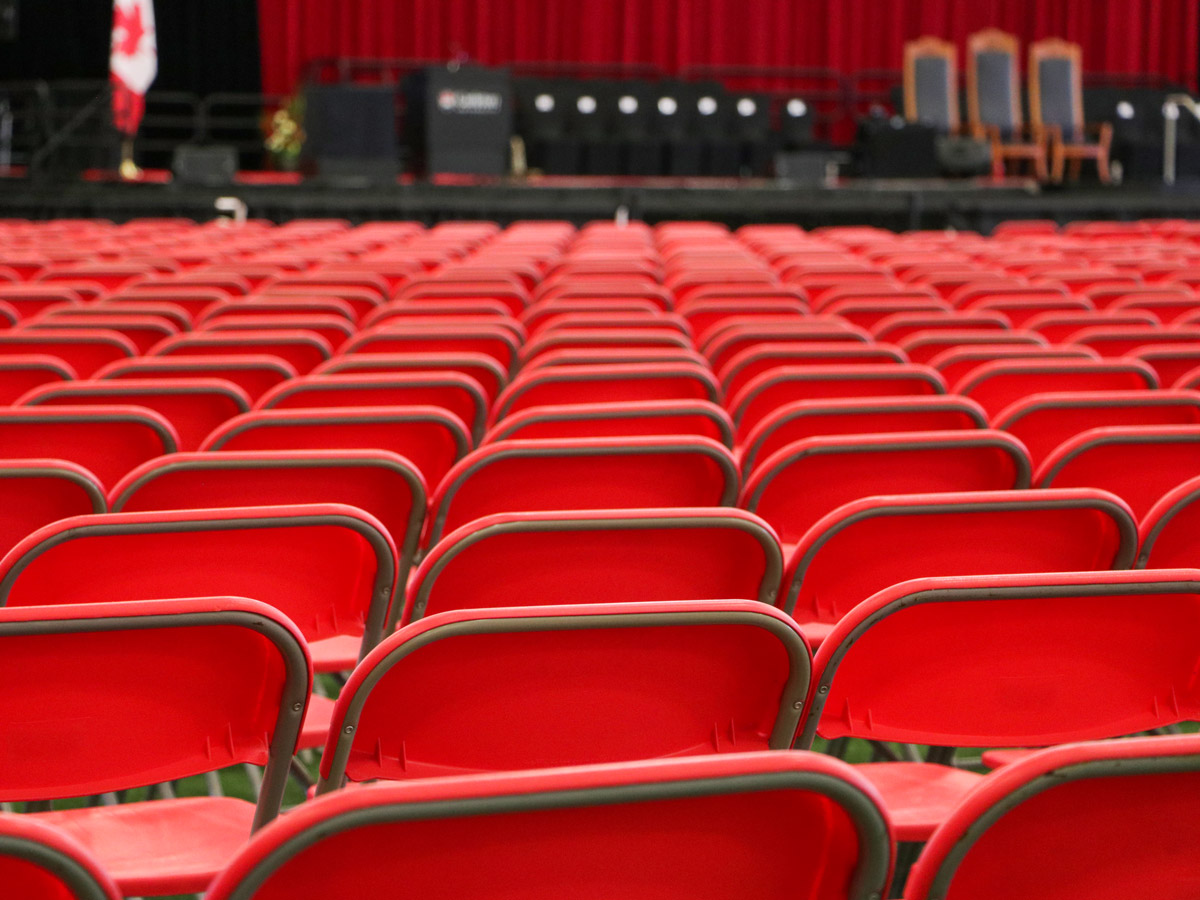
(203, 45)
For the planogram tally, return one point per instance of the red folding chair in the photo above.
(482, 369)
(583, 473)
(1112, 341)
(329, 568)
(278, 306)
(723, 344)
(1170, 362)
(1033, 829)
(29, 300)
(20, 374)
(998, 385)
(1138, 463)
(677, 827)
(895, 328)
(193, 406)
(254, 374)
(333, 328)
(192, 301)
(36, 492)
(452, 391)
(616, 382)
(537, 559)
(753, 361)
(600, 356)
(956, 363)
(625, 418)
(706, 313)
(85, 350)
(847, 556)
(108, 441)
(491, 340)
(38, 862)
(925, 346)
(1170, 305)
(774, 388)
(740, 663)
(1019, 660)
(84, 679)
(303, 350)
(799, 484)
(857, 415)
(382, 484)
(431, 438)
(599, 338)
(143, 330)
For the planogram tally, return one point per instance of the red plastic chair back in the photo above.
(494, 341)
(36, 492)
(303, 350)
(760, 358)
(194, 407)
(1034, 828)
(431, 438)
(254, 374)
(85, 350)
(625, 418)
(1138, 463)
(483, 369)
(678, 828)
(537, 559)
(998, 385)
(329, 568)
(38, 862)
(802, 482)
(1024, 660)
(22, 373)
(956, 363)
(657, 675)
(925, 346)
(383, 484)
(583, 473)
(849, 555)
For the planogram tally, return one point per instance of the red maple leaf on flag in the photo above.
(130, 24)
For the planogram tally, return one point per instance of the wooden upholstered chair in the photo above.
(1056, 109)
(931, 84)
(994, 102)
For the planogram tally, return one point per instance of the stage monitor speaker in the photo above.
(460, 121)
(9, 21)
(211, 166)
(893, 148)
(351, 131)
(817, 168)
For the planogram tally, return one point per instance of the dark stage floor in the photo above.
(889, 204)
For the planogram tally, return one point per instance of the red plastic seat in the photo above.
(1169, 304)
(583, 473)
(383, 484)
(760, 358)
(868, 545)
(491, 340)
(598, 338)
(723, 344)
(1112, 341)
(431, 438)
(1170, 362)
(108, 441)
(333, 328)
(1021, 308)
(869, 311)
(192, 301)
(707, 313)
(329, 568)
(303, 350)
(598, 556)
(194, 407)
(36, 492)
(1003, 660)
(22, 373)
(111, 276)
(482, 369)
(38, 862)
(895, 328)
(925, 346)
(1033, 829)
(625, 418)
(85, 350)
(282, 307)
(663, 828)
(1138, 463)
(598, 356)
(144, 331)
(1043, 421)
(656, 676)
(29, 300)
(605, 383)
(254, 374)
(452, 391)
(957, 362)
(998, 385)
(85, 680)
(774, 388)
(857, 415)
(799, 484)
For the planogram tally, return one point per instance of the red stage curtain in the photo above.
(1118, 36)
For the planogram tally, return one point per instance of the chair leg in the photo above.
(1056, 172)
(1102, 169)
(1076, 168)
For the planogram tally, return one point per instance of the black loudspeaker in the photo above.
(210, 166)
(351, 132)
(460, 121)
(893, 148)
(8, 20)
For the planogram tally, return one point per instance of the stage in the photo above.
(892, 204)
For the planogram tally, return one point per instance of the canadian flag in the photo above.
(133, 62)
